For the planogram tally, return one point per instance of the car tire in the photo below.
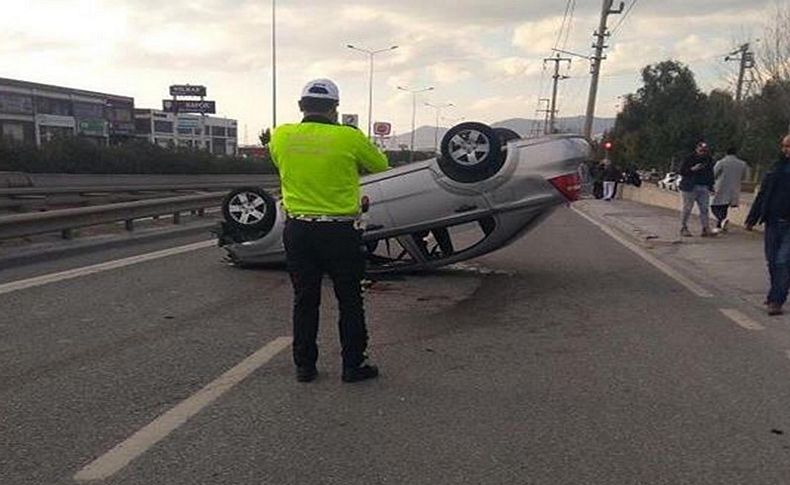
(506, 134)
(471, 152)
(249, 208)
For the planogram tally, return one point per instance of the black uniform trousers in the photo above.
(312, 249)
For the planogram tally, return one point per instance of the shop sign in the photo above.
(121, 128)
(55, 120)
(382, 128)
(92, 127)
(184, 106)
(350, 119)
(187, 90)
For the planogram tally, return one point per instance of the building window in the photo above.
(217, 131)
(163, 126)
(218, 146)
(142, 126)
(184, 131)
(232, 132)
(88, 110)
(119, 114)
(13, 103)
(49, 133)
(14, 131)
(53, 106)
(198, 131)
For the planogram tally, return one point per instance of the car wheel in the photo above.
(249, 208)
(471, 152)
(506, 134)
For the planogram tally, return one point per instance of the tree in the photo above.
(265, 136)
(663, 120)
(723, 121)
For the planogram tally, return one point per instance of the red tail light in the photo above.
(569, 186)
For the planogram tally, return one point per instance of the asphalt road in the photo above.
(563, 359)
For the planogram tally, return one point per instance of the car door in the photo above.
(415, 199)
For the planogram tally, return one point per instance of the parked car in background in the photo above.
(671, 181)
(486, 189)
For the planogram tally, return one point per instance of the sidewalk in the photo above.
(732, 264)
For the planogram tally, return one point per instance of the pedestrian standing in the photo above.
(696, 185)
(728, 172)
(596, 173)
(772, 208)
(319, 163)
(585, 178)
(611, 175)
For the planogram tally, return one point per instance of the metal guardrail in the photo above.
(66, 220)
(88, 189)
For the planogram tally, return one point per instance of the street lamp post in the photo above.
(438, 108)
(370, 54)
(274, 65)
(414, 93)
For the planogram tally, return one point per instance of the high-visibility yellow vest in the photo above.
(319, 164)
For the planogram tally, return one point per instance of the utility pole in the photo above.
(543, 112)
(595, 69)
(438, 108)
(746, 61)
(274, 64)
(414, 93)
(557, 78)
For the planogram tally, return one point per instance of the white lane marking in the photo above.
(122, 454)
(663, 267)
(741, 319)
(98, 268)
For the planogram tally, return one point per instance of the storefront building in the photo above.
(37, 113)
(217, 135)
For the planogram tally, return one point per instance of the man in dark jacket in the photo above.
(772, 207)
(611, 175)
(696, 185)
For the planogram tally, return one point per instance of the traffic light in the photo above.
(607, 145)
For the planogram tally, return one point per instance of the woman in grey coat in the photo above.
(729, 172)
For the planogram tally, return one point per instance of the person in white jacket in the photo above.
(729, 172)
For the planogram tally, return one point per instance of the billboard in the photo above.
(187, 90)
(183, 106)
(382, 128)
(350, 119)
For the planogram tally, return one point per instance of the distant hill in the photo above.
(424, 135)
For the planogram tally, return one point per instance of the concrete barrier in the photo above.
(652, 195)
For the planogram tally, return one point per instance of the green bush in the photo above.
(79, 155)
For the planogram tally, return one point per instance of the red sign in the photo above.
(382, 128)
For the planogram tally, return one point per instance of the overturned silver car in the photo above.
(487, 189)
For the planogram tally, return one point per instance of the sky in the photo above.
(486, 57)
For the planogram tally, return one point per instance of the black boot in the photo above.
(306, 373)
(360, 373)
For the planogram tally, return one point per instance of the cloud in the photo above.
(485, 57)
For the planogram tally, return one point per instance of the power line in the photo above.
(562, 25)
(625, 16)
(570, 25)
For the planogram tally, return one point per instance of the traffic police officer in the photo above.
(319, 163)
